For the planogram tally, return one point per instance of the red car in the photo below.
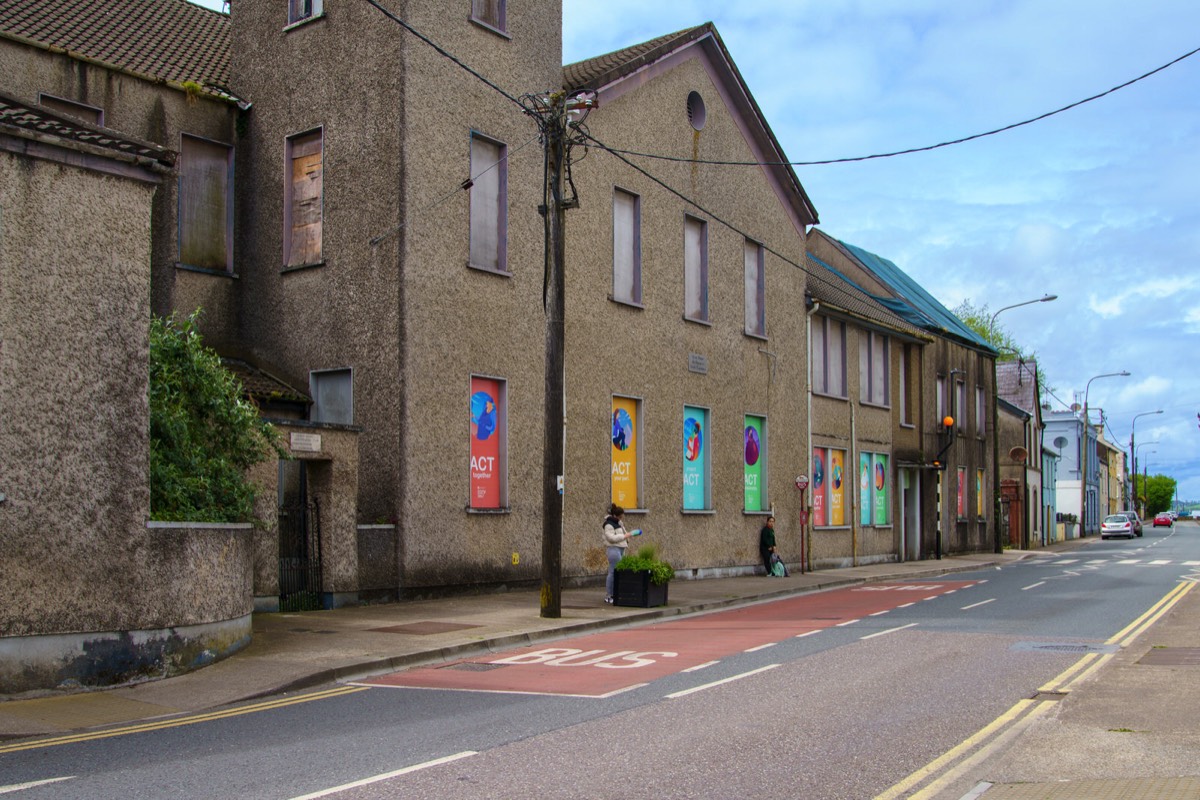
(1162, 518)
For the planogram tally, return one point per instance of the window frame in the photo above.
(905, 377)
(632, 250)
(754, 274)
(874, 389)
(301, 141)
(317, 411)
(960, 407)
(316, 8)
(480, 17)
(705, 458)
(823, 489)
(185, 191)
(868, 491)
(487, 205)
(695, 269)
(501, 445)
(822, 386)
(981, 426)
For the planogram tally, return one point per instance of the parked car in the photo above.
(1116, 525)
(1163, 518)
(1135, 520)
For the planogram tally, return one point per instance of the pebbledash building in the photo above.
(359, 218)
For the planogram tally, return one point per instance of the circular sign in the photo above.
(802, 482)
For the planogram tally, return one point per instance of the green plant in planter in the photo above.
(646, 560)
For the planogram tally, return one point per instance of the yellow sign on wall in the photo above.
(625, 452)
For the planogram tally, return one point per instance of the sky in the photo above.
(1099, 205)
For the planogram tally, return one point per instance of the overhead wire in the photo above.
(911, 150)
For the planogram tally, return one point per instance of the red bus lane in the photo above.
(601, 664)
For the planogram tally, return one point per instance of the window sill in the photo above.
(490, 271)
(830, 396)
(762, 337)
(489, 511)
(706, 323)
(908, 425)
(298, 267)
(491, 28)
(216, 273)
(748, 513)
(698, 512)
(302, 22)
(628, 303)
(869, 404)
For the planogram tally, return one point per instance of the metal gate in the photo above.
(300, 556)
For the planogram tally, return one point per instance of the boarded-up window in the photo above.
(695, 269)
(756, 290)
(489, 205)
(873, 361)
(490, 13)
(205, 204)
(302, 242)
(333, 396)
(627, 247)
(828, 348)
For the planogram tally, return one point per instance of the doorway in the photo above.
(910, 515)
(299, 540)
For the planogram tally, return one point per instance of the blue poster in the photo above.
(695, 458)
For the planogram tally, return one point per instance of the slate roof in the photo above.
(837, 289)
(1016, 382)
(172, 40)
(261, 385)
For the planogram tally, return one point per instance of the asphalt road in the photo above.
(840, 694)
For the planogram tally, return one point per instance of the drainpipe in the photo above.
(805, 540)
(855, 508)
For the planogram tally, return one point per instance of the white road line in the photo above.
(699, 667)
(714, 683)
(1191, 563)
(20, 787)
(890, 630)
(906, 605)
(760, 647)
(1158, 563)
(1033, 586)
(808, 633)
(977, 605)
(385, 776)
(1128, 561)
(1066, 561)
(847, 622)
(881, 613)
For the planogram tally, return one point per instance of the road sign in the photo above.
(802, 482)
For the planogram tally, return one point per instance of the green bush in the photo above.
(646, 559)
(204, 434)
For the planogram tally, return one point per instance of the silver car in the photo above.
(1117, 525)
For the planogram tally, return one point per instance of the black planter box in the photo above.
(635, 589)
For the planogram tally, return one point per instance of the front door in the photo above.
(299, 541)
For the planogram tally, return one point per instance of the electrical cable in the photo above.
(465, 185)
(911, 150)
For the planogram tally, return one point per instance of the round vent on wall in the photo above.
(697, 114)
(1018, 454)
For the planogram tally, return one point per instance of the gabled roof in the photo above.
(923, 308)
(836, 289)
(603, 72)
(172, 40)
(1017, 382)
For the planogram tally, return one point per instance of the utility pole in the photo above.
(553, 113)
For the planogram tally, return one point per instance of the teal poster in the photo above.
(695, 458)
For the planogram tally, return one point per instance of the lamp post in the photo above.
(999, 546)
(1133, 451)
(1144, 468)
(1085, 450)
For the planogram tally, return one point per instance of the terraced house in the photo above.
(361, 219)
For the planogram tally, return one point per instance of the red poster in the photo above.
(485, 443)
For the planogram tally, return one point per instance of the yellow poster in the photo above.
(837, 487)
(624, 452)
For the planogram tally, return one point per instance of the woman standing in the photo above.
(616, 539)
(766, 543)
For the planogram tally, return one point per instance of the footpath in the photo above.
(1129, 732)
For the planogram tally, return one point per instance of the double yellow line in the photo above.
(952, 764)
(176, 722)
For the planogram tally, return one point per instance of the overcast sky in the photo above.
(1098, 205)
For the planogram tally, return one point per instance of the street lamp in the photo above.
(1085, 450)
(1133, 450)
(999, 546)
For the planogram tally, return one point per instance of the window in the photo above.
(828, 356)
(941, 401)
(627, 248)
(905, 383)
(828, 487)
(489, 443)
(697, 464)
(981, 412)
(300, 10)
(756, 302)
(754, 451)
(626, 448)
(491, 13)
(81, 111)
(333, 396)
(303, 202)
(960, 407)
(489, 205)
(695, 269)
(873, 481)
(873, 368)
(205, 204)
